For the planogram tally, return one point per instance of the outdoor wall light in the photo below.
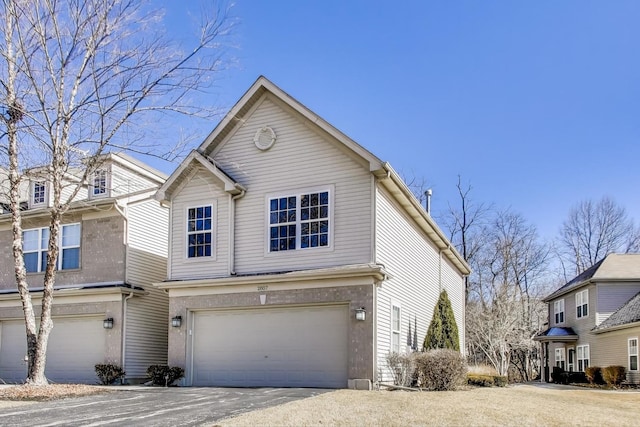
(361, 313)
(176, 321)
(107, 323)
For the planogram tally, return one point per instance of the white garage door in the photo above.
(285, 347)
(75, 346)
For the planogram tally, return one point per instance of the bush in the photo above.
(443, 330)
(441, 369)
(108, 373)
(164, 375)
(481, 380)
(556, 374)
(614, 375)
(500, 380)
(594, 375)
(402, 367)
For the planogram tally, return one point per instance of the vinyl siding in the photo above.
(200, 190)
(147, 316)
(610, 297)
(612, 349)
(301, 159)
(125, 181)
(415, 266)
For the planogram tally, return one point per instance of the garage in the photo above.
(75, 346)
(271, 347)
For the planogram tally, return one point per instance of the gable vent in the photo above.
(264, 138)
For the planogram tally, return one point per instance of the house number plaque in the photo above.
(263, 288)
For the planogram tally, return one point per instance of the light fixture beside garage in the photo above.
(176, 321)
(108, 323)
(361, 314)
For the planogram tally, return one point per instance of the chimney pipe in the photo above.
(427, 201)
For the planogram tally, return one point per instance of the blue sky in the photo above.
(536, 104)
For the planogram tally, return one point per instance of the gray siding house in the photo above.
(113, 246)
(594, 319)
(296, 257)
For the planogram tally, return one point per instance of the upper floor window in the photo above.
(299, 221)
(35, 244)
(633, 354)
(38, 193)
(582, 303)
(99, 183)
(583, 357)
(199, 231)
(395, 328)
(558, 311)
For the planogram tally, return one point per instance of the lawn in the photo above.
(520, 405)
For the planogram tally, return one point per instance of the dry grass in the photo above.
(482, 370)
(522, 405)
(48, 392)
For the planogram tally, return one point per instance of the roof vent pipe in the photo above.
(427, 201)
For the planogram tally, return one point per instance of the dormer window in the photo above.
(99, 184)
(38, 193)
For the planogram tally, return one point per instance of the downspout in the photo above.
(125, 241)
(124, 328)
(232, 231)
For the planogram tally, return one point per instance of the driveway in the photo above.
(150, 406)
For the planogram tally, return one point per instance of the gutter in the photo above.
(232, 228)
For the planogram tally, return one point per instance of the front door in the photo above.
(571, 356)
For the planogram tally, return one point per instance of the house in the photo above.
(296, 257)
(594, 319)
(113, 246)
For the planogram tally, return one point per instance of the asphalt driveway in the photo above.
(151, 406)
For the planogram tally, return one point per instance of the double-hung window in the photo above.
(558, 310)
(99, 183)
(560, 358)
(633, 354)
(395, 328)
(582, 303)
(200, 231)
(35, 244)
(38, 193)
(583, 357)
(299, 221)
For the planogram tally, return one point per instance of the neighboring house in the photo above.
(595, 319)
(113, 246)
(297, 257)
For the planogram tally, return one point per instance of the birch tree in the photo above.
(80, 78)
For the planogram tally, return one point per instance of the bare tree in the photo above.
(503, 313)
(80, 78)
(464, 224)
(595, 229)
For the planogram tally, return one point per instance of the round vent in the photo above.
(264, 138)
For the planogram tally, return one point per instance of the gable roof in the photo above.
(382, 170)
(236, 116)
(628, 314)
(614, 267)
(188, 165)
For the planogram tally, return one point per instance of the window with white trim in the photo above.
(38, 193)
(560, 359)
(99, 182)
(395, 328)
(633, 354)
(299, 221)
(582, 352)
(200, 231)
(35, 244)
(582, 303)
(558, 311)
